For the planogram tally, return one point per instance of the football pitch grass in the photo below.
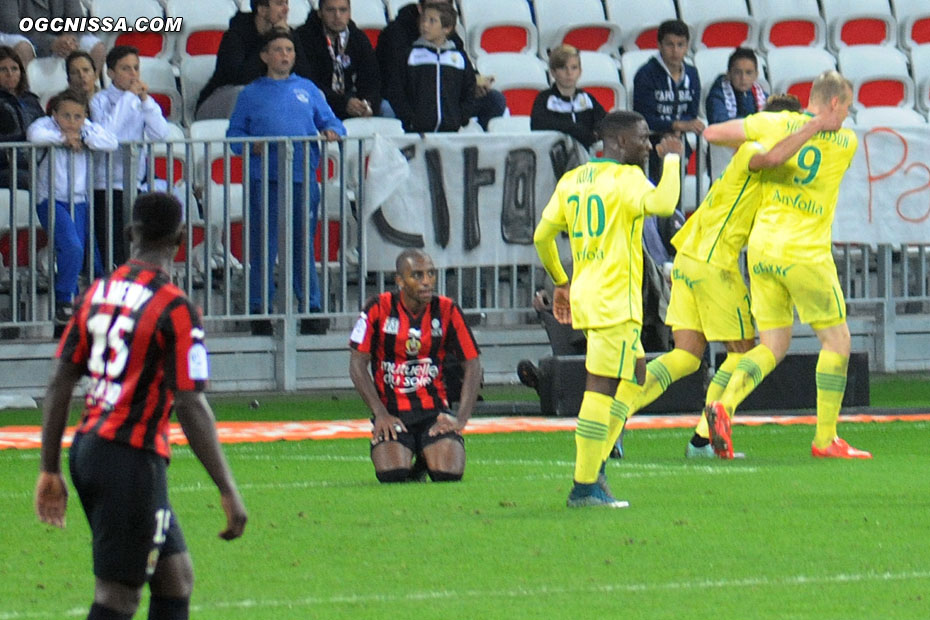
(775, 535)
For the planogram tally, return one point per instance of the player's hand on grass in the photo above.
(51, 499)
(386, 427)
(445, 423)
(236, 515)
(561, 304)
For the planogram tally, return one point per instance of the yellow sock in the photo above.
(831, 385)
(590, 435)
(620, 412)
(717, 385)
(662, 372)
(749, 373)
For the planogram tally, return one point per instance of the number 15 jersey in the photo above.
(798, 201)
(140, 340)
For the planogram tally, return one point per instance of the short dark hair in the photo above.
(274, 34)
(118, 53)
(23, 85)
(157, 218)
(447, 14)
(254, 4)
(617, 122)
(78, 54)
(675, 27)
(72, 95)
(742, 53)
(321, 3)
(408, 254)
(781, 102)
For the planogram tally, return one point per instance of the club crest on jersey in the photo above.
(414, 341)
(391, 324)
(436, 328)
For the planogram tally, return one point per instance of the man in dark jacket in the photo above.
(238, 61)
(342, 62)
(394, 47)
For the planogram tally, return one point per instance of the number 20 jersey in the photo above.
(798, 201)
(140, 340)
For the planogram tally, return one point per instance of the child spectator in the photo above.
(736, 94)
(68, 131)
(565, 107)
(126, 110)
(439, 84)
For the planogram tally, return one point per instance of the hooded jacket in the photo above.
(439, 89)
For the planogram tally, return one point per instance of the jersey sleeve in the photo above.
(364, 330)
(186, 363)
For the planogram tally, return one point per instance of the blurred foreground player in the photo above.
(601, 205)
(405, 338)
(140, 341)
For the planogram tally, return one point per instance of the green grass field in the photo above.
(776, 535)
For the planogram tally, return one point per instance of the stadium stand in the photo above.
(195, 73)
(858, 22)
(395, 5)
(585, 26)
(879, 75)
(47, 76)
(205, 22)
(793, 69)
(298, 10)
(509, 124)
(499, 26)
(718, 24)
(920, 71)
(888, 115)
(155, 44)
(913, 22)
(369, 16)
(520, 77)
(787, 23)
(630, 62)
(600, 77)
(158, 73)
(639, 21)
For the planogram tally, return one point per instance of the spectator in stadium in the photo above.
(393, 51)
(120, 451)
(736, 93)
(604, 295)
(282, 104)
(69, 131)
(127, 111)
(19, 107)
(238, 60)
(342, 62)
(400, 344)
(667, 91)
(438, 92)
(82, 73)
(47, 42)
(563, 106)
(20, 44)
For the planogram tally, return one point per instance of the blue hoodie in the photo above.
(292, 107)
(660, 100)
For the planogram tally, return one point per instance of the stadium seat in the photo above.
(195, 73)
(913, 18)
(298, 11)
(786, 23)
(793, 69)
(509, 124)
(154, 44)
(499, 26)
(17, 231)
(47, 76)
(178, 158)
(600, 76)
(858, 22)
(163, 88)
(205, 21)
(630, 62)
(718, 24)
(920, 71)
(584, 26)
(639, 21)
(889, 116)
(520, 77)
(879, 75)
(369, 16)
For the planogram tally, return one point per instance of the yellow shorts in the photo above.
(613, 350)
(709, 300)
(779, 285)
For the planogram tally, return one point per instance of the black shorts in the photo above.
(124, 492)
(417, 436)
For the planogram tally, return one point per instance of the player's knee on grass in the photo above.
(117, 597)
(392, 475)
(173, 578)
(444, 476)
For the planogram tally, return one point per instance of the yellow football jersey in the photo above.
(600, 206)
(718, 230)
(798, 199)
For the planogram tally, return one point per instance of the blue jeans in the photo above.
(255, 244)
(70, 241)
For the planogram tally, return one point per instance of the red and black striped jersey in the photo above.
(140, 340)
(407, 351)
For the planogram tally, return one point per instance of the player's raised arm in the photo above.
(728, 133)
(788, 146)
(199, 425)
(664, 199)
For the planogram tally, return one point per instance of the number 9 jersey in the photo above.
(795, 217)
(140, 340)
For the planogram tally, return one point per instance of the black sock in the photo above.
(392, 475)
(699, 442)
(444, 476)
(99, 612)
(162, 608)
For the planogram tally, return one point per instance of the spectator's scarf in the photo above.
(337, 43)
(729, 97)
